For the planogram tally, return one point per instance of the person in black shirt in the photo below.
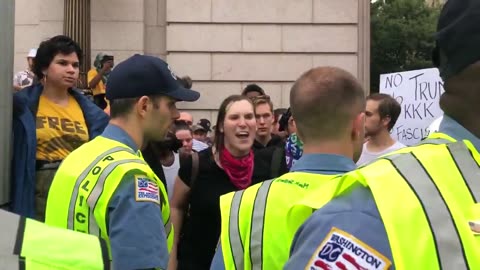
(263, 107)
(227, 166)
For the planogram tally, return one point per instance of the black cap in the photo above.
(197, 128)
(142, 75)
(205, 124)
(458, 37)
(253, 88)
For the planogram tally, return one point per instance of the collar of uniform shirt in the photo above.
(457, 131)
(115, 133)
(323, 164)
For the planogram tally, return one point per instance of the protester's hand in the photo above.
(107, 66)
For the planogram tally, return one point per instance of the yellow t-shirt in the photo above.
(100, 88)
(60, 130)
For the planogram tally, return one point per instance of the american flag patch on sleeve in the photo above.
(146, 190)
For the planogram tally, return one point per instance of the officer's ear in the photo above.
(358, 127)
(142, 104)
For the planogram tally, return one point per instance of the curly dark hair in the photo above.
(253, 88)
(48, 49)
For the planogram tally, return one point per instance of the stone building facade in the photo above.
(221, 44)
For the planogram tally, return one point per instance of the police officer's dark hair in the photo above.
(48, 49)
(185, 81)
(253, 88)
(219, 142)
(387, 107)
(323, 102)
(123, 106)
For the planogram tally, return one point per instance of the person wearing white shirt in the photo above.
(381, 114)
(25, 77)
(435, 125)
(188, 118)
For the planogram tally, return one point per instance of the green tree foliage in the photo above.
(402, 37)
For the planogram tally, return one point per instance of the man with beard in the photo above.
(381, 115)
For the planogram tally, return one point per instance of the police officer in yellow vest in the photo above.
(105, 187)
(328, 106)
(417, 208)
(31, 245)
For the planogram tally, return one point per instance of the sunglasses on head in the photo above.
(261, 98)
(183, 122)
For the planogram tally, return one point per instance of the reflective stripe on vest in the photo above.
(436, 186)
(101, 175)
(468, 168)
(82, 176)
(259, 223)
(434, 141)
(445, 233)
(96, 191)
(256, 234)
(81, 190)
(236, 244)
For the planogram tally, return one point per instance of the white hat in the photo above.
(32, 53)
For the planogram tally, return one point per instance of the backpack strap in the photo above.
(276, 162)
(195, 165)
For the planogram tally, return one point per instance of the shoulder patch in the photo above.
(146, 190)
(341, 250)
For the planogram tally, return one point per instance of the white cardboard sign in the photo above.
(418, 93)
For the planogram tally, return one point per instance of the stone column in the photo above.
(364, 45)
(7, 26)
(77, 26)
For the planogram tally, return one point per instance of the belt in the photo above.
(47, 165)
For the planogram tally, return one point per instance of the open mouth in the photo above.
(242, 135)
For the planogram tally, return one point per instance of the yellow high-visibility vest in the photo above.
(428, 198)
(81, 190)
(31, 245)
(259, 223)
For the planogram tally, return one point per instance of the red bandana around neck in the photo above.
(239, 171)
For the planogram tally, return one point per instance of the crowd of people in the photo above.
(318, 185)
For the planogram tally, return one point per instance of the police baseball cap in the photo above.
(458, 37)
(197, 128)
(205, 123)
(142, 75)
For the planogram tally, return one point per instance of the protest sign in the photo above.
(418, 93)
